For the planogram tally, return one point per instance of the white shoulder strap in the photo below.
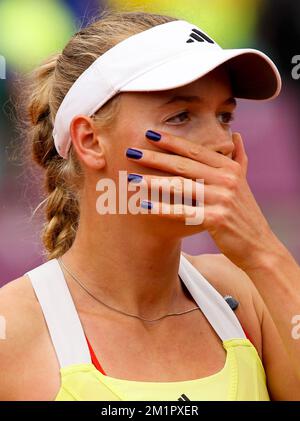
(60, 314)
(213, 305)
(65, 328)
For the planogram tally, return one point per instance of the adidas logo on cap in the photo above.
(197, 35)
(183, 397)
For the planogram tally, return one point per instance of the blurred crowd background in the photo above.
(30, 30)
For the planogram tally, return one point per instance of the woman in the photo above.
(114, 313)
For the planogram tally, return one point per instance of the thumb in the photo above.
(239, 153)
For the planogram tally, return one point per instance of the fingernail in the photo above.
(135, 178)
(146, 204)
(134, 153)
(150, 134)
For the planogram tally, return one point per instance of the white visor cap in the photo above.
(164, 57)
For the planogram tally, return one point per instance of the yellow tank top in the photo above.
(242, 377)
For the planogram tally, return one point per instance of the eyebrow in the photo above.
(196, 99)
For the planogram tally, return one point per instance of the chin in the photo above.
(171, 226)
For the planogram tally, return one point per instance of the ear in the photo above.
(86, 142)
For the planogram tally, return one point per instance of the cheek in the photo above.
(126, 136)
(131, 132)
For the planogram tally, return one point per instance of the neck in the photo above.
(127, 264)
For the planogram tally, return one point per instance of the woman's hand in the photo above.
(231, 214)
(240, 230)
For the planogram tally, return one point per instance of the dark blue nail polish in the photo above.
(231, 301)
(135, 178)
(146, 204)
(150, 134)
(134, 153)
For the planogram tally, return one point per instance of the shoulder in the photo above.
(22, 338)
(229, 279)
(19, 308)
(255, 317)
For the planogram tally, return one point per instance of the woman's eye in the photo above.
(226, 118)
(178, 118)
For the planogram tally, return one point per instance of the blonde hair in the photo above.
(49, 84)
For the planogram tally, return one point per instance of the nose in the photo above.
(225, 148)
(220, 140)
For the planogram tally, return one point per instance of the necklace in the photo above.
(115, 309)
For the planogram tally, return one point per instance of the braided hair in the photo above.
(49, 84)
